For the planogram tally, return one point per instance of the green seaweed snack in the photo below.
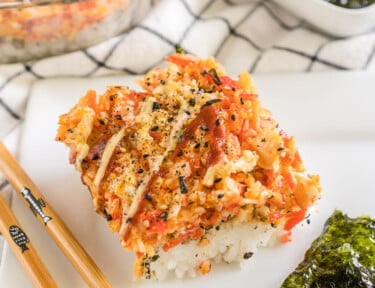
(342, 256)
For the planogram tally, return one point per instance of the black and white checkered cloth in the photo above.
(257, 36)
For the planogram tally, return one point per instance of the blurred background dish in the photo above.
(353, 4)
(331, 18)
(37, 29)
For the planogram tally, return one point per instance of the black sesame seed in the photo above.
(217, 122)
(70, 130)
(140, 171)
(156, 106)
(109, 217)
(220, 195)
(214, 75)
(196, 146)
(148, 197)
(210, 102)
(129, 220)
(183, 185)
(180, 153)
(164, 216)
(145, 155)
(233, 117)
(248, 255)
(280, 149)
(155, 128)
(155, 257)
(118, 117)
(170, 119)
(162, 82)
(187, 112)
(241, 100)
(217, 180)
(192, 102)
(95, 157)
(204, 128)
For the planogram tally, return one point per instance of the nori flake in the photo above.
(342, 256)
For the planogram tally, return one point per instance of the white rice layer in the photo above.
(233, 242)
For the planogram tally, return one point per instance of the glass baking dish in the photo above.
(41, 28)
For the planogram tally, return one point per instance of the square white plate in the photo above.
(332, 116)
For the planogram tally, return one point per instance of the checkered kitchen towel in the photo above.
(257, 36)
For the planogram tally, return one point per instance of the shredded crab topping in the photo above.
(193, 151)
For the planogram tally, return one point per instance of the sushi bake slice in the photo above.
(191, 169)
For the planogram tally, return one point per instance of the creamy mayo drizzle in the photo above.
(107, 154)
(156, 165)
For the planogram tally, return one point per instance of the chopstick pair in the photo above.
(23, 249)
(52, 223)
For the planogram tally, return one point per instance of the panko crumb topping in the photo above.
(193, 150)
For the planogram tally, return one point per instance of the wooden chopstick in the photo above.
(60, 233)
(23, 248)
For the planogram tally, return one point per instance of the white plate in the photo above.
(332, 116)
(334, 20)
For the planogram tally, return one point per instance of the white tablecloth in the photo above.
(257, 36)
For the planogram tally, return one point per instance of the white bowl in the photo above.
(334, 20)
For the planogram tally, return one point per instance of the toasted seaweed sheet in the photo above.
(342, 256)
